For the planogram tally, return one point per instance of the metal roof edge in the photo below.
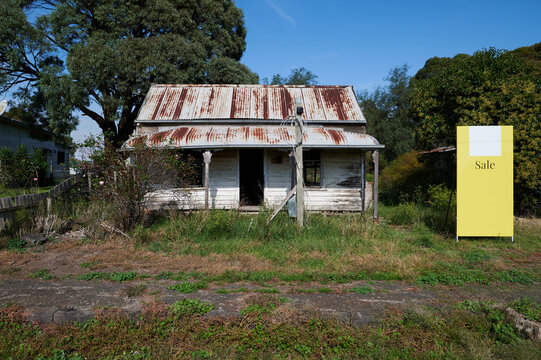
(252, 85)
(247, 121)
(266, 146)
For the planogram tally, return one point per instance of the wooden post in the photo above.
(298, 158)
(207, 155)
(376, 177)
(363, 181)
(293, 165)
(89, 176)
(49, 205)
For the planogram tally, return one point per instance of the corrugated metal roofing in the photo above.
(208, 137)
(258, 102)
(440, 150)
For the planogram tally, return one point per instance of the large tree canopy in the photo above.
(76, 53)
(491, 87)
(387, 113)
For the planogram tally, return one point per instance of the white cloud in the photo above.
(282, 13)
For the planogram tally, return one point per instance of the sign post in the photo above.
(485, 181)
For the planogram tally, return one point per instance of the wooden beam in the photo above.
(363, 181)
(298, 158)
(281, 205)
(376, 178)
(293, 165)
(207, 155)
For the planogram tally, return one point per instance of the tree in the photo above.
(387, 113)
(531, 54)
(79, 53)
(434, 66)
(492, 87)
(299, 76)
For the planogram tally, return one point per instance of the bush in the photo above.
(438, 203)
(21, 169)
(122, 184)
(406, 214)
(400, 180)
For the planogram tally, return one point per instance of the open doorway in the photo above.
(251, 176)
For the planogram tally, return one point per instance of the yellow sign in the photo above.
(484, 181)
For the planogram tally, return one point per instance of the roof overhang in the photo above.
(278, 137)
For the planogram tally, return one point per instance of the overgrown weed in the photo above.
(265, 330)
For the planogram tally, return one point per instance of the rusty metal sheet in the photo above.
(150, 104)
(205, 136)
(265, 102)
(315, 111)
(240, 104)
(170, 101)
(350, 105)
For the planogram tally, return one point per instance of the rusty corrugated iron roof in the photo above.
(208, 137)
(255, 102)
(439, 150)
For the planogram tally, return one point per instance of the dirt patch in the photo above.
(66, 257)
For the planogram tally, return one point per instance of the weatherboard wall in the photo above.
(12, 135)
(340, 189)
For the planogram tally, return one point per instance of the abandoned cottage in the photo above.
(245, 134)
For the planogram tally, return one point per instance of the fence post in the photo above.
(89, 175)
(49, 205)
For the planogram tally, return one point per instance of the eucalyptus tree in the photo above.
(98, 58)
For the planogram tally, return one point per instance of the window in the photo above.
(60, 157)
(190, 167)
(195, 161)
(312, 167)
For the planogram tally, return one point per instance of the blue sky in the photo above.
(348, 42)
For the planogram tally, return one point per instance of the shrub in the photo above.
(405, 214)
(15, 244)
(122, 185)
(19, 168)
(401, 178)
(436, 217)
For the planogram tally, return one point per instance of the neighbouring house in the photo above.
(247, 134)
(14, 133)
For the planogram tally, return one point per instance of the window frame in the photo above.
(310, 162)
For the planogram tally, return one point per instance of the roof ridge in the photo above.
(250, 85)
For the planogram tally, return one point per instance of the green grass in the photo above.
(42, 274)
(188, 287)
(190, 307)
(410, 243)
(22, 191)
(362, 289)
(528, 308)
(114, 276)
(182, 331)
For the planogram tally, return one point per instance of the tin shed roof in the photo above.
(209, 137)
(255, 102)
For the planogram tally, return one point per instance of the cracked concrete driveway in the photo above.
(63, 301)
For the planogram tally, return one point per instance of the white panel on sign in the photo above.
(485, 141)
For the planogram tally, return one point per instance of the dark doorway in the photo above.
(251, 176)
